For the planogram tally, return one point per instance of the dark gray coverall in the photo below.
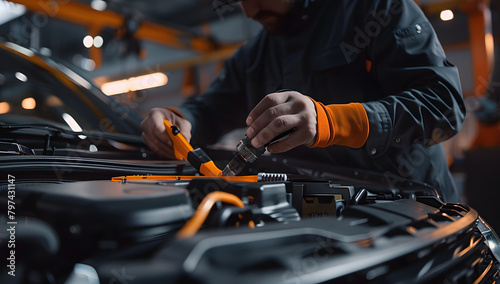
(382, 53)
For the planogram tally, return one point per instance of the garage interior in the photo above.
(184, 43)
(115, 40)
(188, 42)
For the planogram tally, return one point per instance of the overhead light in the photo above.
(116, 87)
(135, 84)
(87, 64)
(10, 11)
(28, 103)
(489, 42)
(53, 101)
(4, 107)
(98, 41)
(46, 51)
(98, 5)
(446, 15)
(21, 77)
(88, 41)
(147, 81)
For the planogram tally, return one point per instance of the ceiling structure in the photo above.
(178, 37)
(126, 27)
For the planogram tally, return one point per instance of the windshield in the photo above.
(36, 93)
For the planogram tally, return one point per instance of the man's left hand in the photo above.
(280, 112)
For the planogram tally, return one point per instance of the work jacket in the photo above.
(381, 53)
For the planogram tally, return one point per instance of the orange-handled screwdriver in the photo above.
(180, 144)
(184, 151)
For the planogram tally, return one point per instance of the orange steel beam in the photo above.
(481, 45)
(436, 7)
(94, 52)
(189, 82)
(481, 42)
(94, 20)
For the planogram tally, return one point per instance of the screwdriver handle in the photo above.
(259, 151)
(281, 136)
(180, 144)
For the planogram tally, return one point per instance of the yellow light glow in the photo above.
(135, 84)
(116, 87)
(490, 45)
(53, 101)
(28, 103)
(447, 15)
(148, 81)
(4, 107)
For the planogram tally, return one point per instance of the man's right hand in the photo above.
(153, 131)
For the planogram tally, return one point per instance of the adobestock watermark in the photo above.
(325, 247)
(364, 35)
(408, 164)
(214, 184)
(222, 7)
(11, 225)
(121, 277)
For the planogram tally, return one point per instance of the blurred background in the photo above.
(156, 53)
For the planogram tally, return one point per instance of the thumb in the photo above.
(183, 125)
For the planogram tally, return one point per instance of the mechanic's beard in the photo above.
(273, 23)
(278, 24)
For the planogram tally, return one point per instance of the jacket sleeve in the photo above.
(422, 101)
(223, 105)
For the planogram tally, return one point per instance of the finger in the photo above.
(297, 138)
(276, 127)
(286, 144)
(154, 132)
(184, 126)
(267, 102)
(157, 128)
(267, 117)
(153, 126)
(161, 149)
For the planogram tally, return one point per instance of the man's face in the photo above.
(272, 14)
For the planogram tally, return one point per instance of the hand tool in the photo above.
(260, 177)
(196, 157)
(201, 161)
(247, 154)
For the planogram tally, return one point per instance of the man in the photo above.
(369, 83)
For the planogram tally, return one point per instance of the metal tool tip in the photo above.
(234, 167)
(227, 171)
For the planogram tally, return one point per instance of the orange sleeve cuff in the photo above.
(341, 124)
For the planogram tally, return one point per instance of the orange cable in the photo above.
(194, 224)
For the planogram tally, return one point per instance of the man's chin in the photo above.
(272, 31)
(275, 29)
(279, 26)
